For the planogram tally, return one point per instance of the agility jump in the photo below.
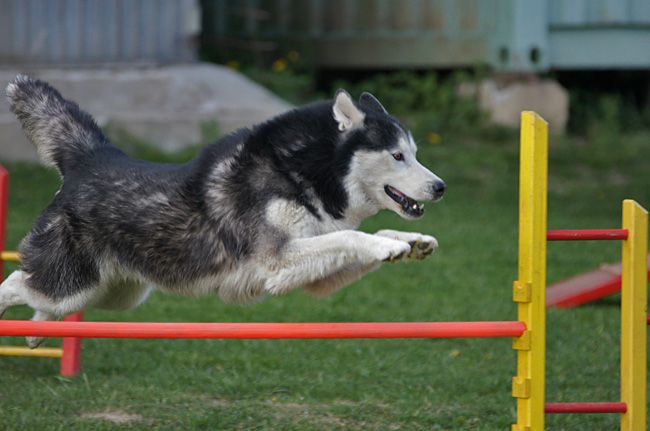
(528, 333)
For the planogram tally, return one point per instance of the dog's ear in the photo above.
(345, 113)
(371, 103)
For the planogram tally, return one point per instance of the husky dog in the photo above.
(262, 211)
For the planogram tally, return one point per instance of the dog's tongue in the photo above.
(409, 206)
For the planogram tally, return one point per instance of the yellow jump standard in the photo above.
(529, 293)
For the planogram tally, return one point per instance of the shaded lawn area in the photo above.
(361, 384)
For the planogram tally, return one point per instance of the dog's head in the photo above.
(384, 171)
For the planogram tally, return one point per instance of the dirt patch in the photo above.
(219, 402)
(316, 415)
(333, 420)
(114, 416)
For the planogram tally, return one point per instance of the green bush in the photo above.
(295, 86)
(603, 122)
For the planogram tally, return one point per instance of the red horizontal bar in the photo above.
(588, 407)
(586, 234)
(262, 330)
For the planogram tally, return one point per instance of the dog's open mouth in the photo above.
(410, 206)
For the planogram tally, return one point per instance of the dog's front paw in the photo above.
(390, 250)
(421, 245)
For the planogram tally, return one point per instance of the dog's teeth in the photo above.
(415, 206)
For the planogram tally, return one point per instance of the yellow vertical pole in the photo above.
(634, 310)
(529, 289)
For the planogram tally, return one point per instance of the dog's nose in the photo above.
(438, 189)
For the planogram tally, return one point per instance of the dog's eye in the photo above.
(398, 156)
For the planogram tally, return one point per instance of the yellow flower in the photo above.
(293, 56)
(433, 138)
(279, 65)
(454, 353)
(233, 64)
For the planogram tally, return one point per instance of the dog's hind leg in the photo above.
(312, 261)
(12, 291)
(34, 342)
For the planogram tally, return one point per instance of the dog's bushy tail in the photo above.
(62, 133)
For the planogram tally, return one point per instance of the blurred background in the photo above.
(163, 77)
(148, 68)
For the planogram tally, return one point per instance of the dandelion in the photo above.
(433, 138)
(454, 353)
(279, 65)
(293, 56)
(233, 64)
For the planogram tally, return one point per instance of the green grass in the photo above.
(362, 384)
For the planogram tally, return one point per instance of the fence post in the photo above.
(529, 289)
(634, 311)
(71, 347)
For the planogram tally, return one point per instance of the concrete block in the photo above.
(505, 100)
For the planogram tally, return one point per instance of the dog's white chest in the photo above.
(298, 222)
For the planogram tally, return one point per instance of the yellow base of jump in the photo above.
(42, 352)
(10, 256)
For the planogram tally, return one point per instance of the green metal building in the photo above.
(508, 35)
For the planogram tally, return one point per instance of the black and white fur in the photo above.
(262, 211)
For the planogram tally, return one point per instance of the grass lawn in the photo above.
(362, 384)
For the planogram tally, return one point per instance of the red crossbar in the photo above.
(588, 407)
(262, 330)
(586, 234)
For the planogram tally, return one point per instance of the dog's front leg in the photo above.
(421, 245)
(325, 259)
